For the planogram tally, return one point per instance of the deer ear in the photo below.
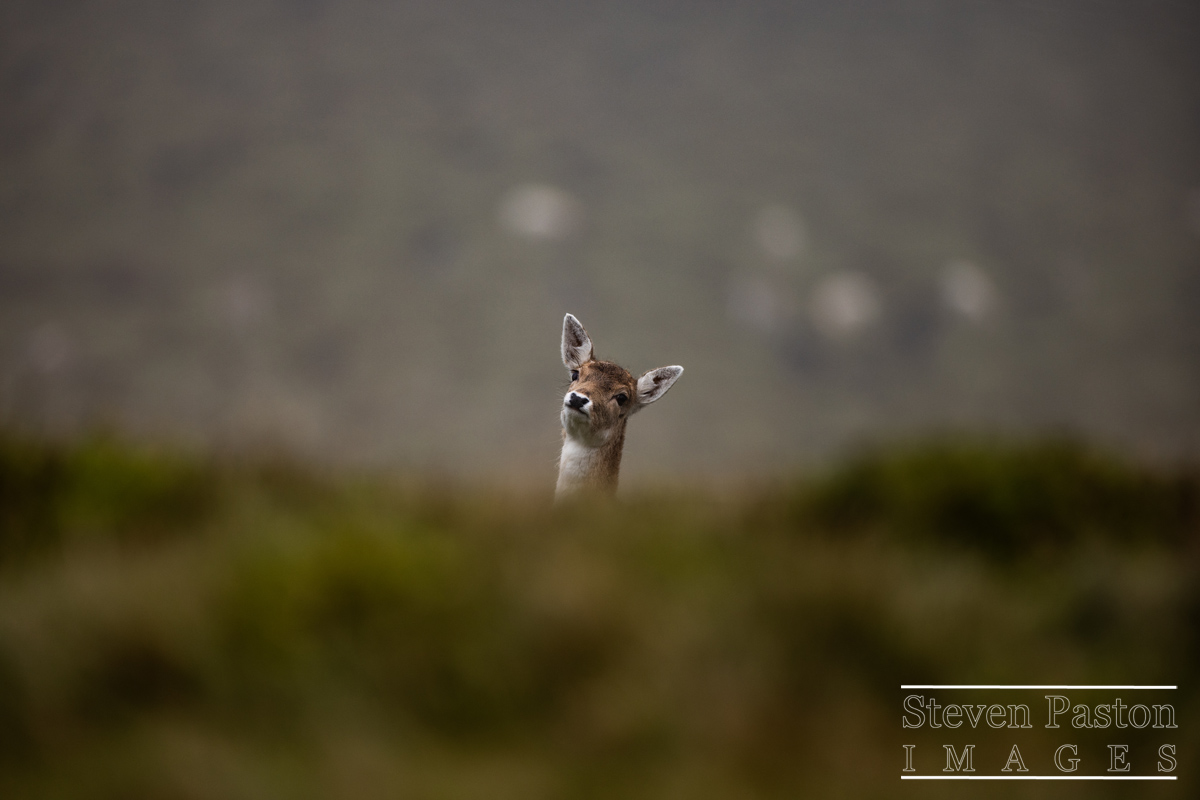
(654, 384)
(576, 346)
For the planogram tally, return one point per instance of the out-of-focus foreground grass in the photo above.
(184, 628)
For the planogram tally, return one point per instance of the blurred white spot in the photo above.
(281, 413)
(1193, 212)
(539, 212)
(245, 301)
(779, 231)
(753, 303)
(967, 290)
(50, 348)
(843, 303)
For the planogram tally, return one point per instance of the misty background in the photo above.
(352, 229)
(933, 270)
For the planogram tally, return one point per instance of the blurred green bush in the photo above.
(1004, 499)
(180, 627)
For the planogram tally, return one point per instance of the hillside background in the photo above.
(351, 229)
(281, 291)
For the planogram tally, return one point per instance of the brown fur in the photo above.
(594, 431)
(601, 382)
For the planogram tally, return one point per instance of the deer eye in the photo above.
(574, 375)
(622, 398)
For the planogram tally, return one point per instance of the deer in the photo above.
(598, 403)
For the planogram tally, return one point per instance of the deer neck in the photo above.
(584, 467)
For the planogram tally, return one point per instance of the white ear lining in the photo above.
(655, 383)
(576, 345)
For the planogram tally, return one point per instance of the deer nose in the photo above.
(577, 401)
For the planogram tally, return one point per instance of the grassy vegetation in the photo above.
(177, 627)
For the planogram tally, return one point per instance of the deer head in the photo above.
(601, 398)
